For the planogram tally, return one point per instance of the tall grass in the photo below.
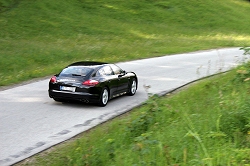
(38, 38)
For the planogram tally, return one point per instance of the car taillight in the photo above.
(90, 82)
(53, 79)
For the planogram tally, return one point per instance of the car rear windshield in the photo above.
(76, 71)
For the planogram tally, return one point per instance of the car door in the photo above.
(110, 79)
(122, 84)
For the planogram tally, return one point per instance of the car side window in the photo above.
(104, 71)
(108, 71)
(117, 70)
(100, 72)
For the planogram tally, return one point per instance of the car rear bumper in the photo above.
(78, 96)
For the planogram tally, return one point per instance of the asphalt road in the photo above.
(31, 122)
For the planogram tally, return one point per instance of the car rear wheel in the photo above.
(104, 97)
(133, 87)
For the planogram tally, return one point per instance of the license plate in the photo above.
(66, 88)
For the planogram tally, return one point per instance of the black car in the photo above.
(92, 82)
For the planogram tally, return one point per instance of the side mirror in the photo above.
(123, 73)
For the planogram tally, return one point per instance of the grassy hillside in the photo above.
(38, 38)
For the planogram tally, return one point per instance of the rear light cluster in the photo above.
(90, 82)
(53, 79)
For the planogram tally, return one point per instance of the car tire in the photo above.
(132, 87)
(104, 98)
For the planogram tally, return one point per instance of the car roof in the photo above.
(87, 63)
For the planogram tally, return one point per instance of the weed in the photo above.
(145, 120)
(111, 149)
(145, 146)
(93, 157)
(246, 50)
(192, 133)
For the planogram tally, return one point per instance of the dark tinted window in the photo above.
(76, 71)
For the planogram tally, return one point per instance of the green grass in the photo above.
(38, 38)
(205, 124)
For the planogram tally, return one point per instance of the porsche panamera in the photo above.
(92, 82)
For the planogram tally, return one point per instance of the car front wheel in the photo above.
(104, 97)
(133, 87)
